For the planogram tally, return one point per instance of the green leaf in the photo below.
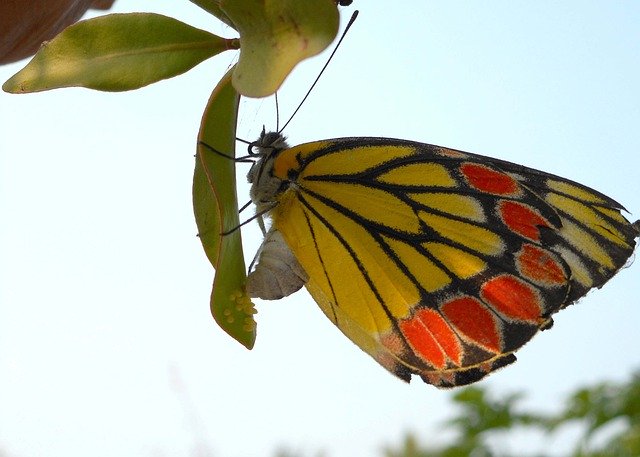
(117, 52)
(216, 211)
(213, 7)
(275, 36)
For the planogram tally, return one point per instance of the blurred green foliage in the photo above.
(608, 415)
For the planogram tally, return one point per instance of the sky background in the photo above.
(107, 346)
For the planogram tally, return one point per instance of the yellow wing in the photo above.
(437, 262)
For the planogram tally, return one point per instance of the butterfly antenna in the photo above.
(349, 24)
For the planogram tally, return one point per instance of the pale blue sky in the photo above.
(104, 287)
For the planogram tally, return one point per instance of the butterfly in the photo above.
(436, 262)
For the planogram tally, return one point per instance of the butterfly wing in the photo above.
(596, 239)
(438, 262)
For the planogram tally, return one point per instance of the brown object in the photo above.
(25, 24)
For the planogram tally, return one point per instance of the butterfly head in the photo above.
(268, 144)
(264, 185)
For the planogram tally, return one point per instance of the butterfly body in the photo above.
(435, 262)
(279, 274)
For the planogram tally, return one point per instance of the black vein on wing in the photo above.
(407, 352)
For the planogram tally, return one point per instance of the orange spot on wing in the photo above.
(487, 180)
(539, 266)
(431, 338)
(439, 378)
(474, 320)
(522, 219)
(393, 343)
(513, 298)
(446, 152)
(389, 358)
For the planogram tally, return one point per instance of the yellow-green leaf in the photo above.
(117, 52)
(213, 7)
(275, 36)
(216, 211)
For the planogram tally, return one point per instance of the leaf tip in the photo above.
(235, 316)
(12, 86)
